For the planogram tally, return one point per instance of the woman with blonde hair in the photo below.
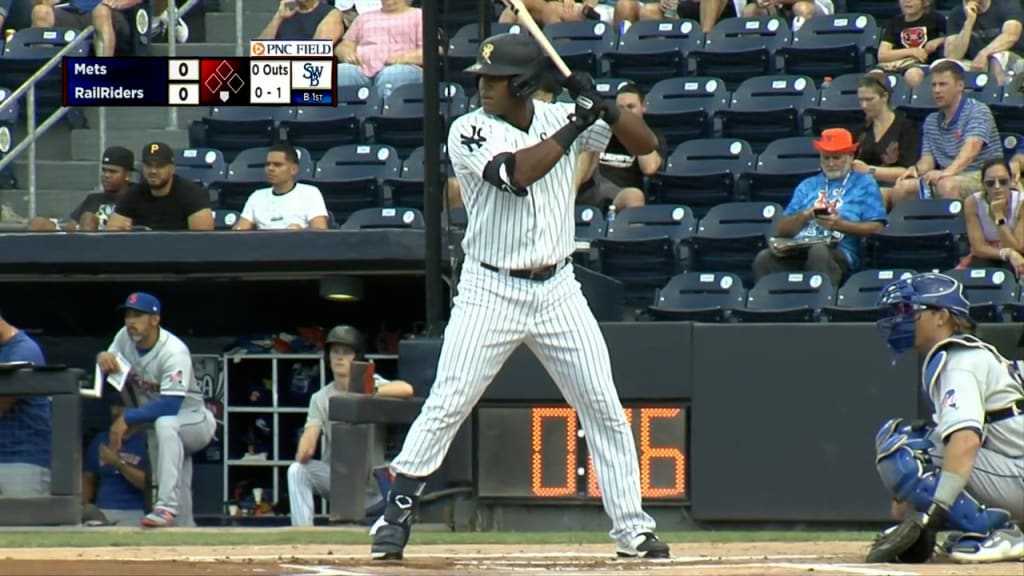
(994, 224)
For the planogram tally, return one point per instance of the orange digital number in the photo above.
(647, 454)
(537, 417)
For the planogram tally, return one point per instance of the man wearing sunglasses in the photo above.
(964, 470)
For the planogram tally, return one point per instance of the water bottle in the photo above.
(611, 215)
(924, 190)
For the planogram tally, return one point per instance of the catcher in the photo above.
(964, 471)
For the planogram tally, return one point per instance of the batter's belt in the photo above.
(541, 274)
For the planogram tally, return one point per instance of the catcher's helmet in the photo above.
(516, 56)
(904, 298)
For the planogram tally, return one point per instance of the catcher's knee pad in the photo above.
(904, 463)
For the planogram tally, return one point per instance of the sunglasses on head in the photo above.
(997, 182)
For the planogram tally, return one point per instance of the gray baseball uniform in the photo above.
(315, 475)
(166, 370)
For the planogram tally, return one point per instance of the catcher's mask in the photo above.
(513, 56)
(904, 300)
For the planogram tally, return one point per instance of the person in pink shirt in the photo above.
(383, 49)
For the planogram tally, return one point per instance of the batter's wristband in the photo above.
(566, 136)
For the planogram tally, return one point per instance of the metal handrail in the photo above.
(28, 89)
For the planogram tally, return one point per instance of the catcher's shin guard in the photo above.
(391, 537)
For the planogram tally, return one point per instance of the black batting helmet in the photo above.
(348, 336)
(516, 56)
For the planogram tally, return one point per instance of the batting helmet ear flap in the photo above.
(524, 85)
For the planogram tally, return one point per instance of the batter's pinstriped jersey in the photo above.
(506, 230)
(165, 370)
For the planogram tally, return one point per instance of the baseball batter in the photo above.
(964, 471)
(515, 162)
(163, 392)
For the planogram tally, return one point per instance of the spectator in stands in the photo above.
(833, 211)
(286, 204)
(986, 36)
(546, 12)
(995, 228)
(912, 41)
(891, 142)
(94, 211)
(115, 482)
(707, 12)
(344, 345)
(24, 424)
(15, 14)
(1017, 168)
(616, 176)
(162, 200)
(304, 20)
(109, 17)
(160, 23)
(383, 49)
(351, 8)
(957, 139)
(795, 11)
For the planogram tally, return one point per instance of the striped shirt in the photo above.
(509, 231)
(944, 141)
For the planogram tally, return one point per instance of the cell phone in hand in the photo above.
(822, 212)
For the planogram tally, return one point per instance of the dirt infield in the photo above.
(733, 559)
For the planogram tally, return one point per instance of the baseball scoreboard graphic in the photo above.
(276, 73)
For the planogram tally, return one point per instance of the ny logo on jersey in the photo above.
(475, 138)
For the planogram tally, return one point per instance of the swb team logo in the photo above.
(312, 75)
(312, 72)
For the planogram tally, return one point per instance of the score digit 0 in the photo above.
(646, 452)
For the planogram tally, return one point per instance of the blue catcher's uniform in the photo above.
(971, 387)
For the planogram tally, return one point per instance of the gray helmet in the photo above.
(516, 56)
(346, 335)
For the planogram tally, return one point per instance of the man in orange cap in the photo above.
(822, 227)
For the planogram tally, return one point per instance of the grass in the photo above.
(328, 537)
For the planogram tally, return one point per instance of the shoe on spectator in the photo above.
(158, 518)
(181, 31)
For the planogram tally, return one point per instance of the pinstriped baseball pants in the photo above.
(494, 313)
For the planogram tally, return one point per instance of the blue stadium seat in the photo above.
(247, 172)
(642, 248)
(921, 235)
(681, 108)
(730, 235)
(765, 108)
(1009, 110)
(702, 173)
(406, 189)
(581, 44)
(780, 167)
(232, 129)
(608, 88)
(651, 50)
(1013, 143)
(838, 106)
(224, 219)
(203, 165)
(740, 48)
(464, 46)
(989, 290)
(590, 222)
(377, 218)
(454, 219)
(832, 45)
(318, 128)
(25, 53)
(699, 297)
(788, 297)
(978, 85)
(857, 300)
(8, 120)
(400, 121)
(350, 177)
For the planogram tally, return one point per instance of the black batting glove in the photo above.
(588, 110)
(610, 113)
(578, 83)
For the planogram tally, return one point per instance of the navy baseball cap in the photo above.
(146, 303)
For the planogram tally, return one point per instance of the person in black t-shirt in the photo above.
(305, 20)
(95, 209)
(988, 37)
(616, 176)
(891, 142)
(912, 41)
(163, 200)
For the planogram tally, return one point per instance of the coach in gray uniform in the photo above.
(163, 390)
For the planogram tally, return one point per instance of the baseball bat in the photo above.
(526, 19)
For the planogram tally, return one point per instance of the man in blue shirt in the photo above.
(115, 481)
(831, 212)
(24, 424)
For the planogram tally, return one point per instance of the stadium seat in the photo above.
(641, 248)
(581, 44)
(454, 219)
(838, 106)
(400, 121)
(376, 218)
(590, 223)
(857, 300)
(780, 167)
(730, 235)
(1008, 110)
(406, 188)
(765, 108)
(740, 48)
(224, 219)
(651, 50)
(608, 88)
(318, 128)
(202, 165)
(832, 45)
(8, 120)
(989, 290)
(350, 177)
(681, 109)
(26, 52)
(788, 297)
(702, 173)
(1013, 143)
(699, 297)
(247, 172)
(922, 234)
(464, 46)
(232, 129)
(921, 103)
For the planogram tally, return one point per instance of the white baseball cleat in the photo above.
(1003, 545)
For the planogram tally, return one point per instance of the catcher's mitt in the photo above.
(912, 540)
